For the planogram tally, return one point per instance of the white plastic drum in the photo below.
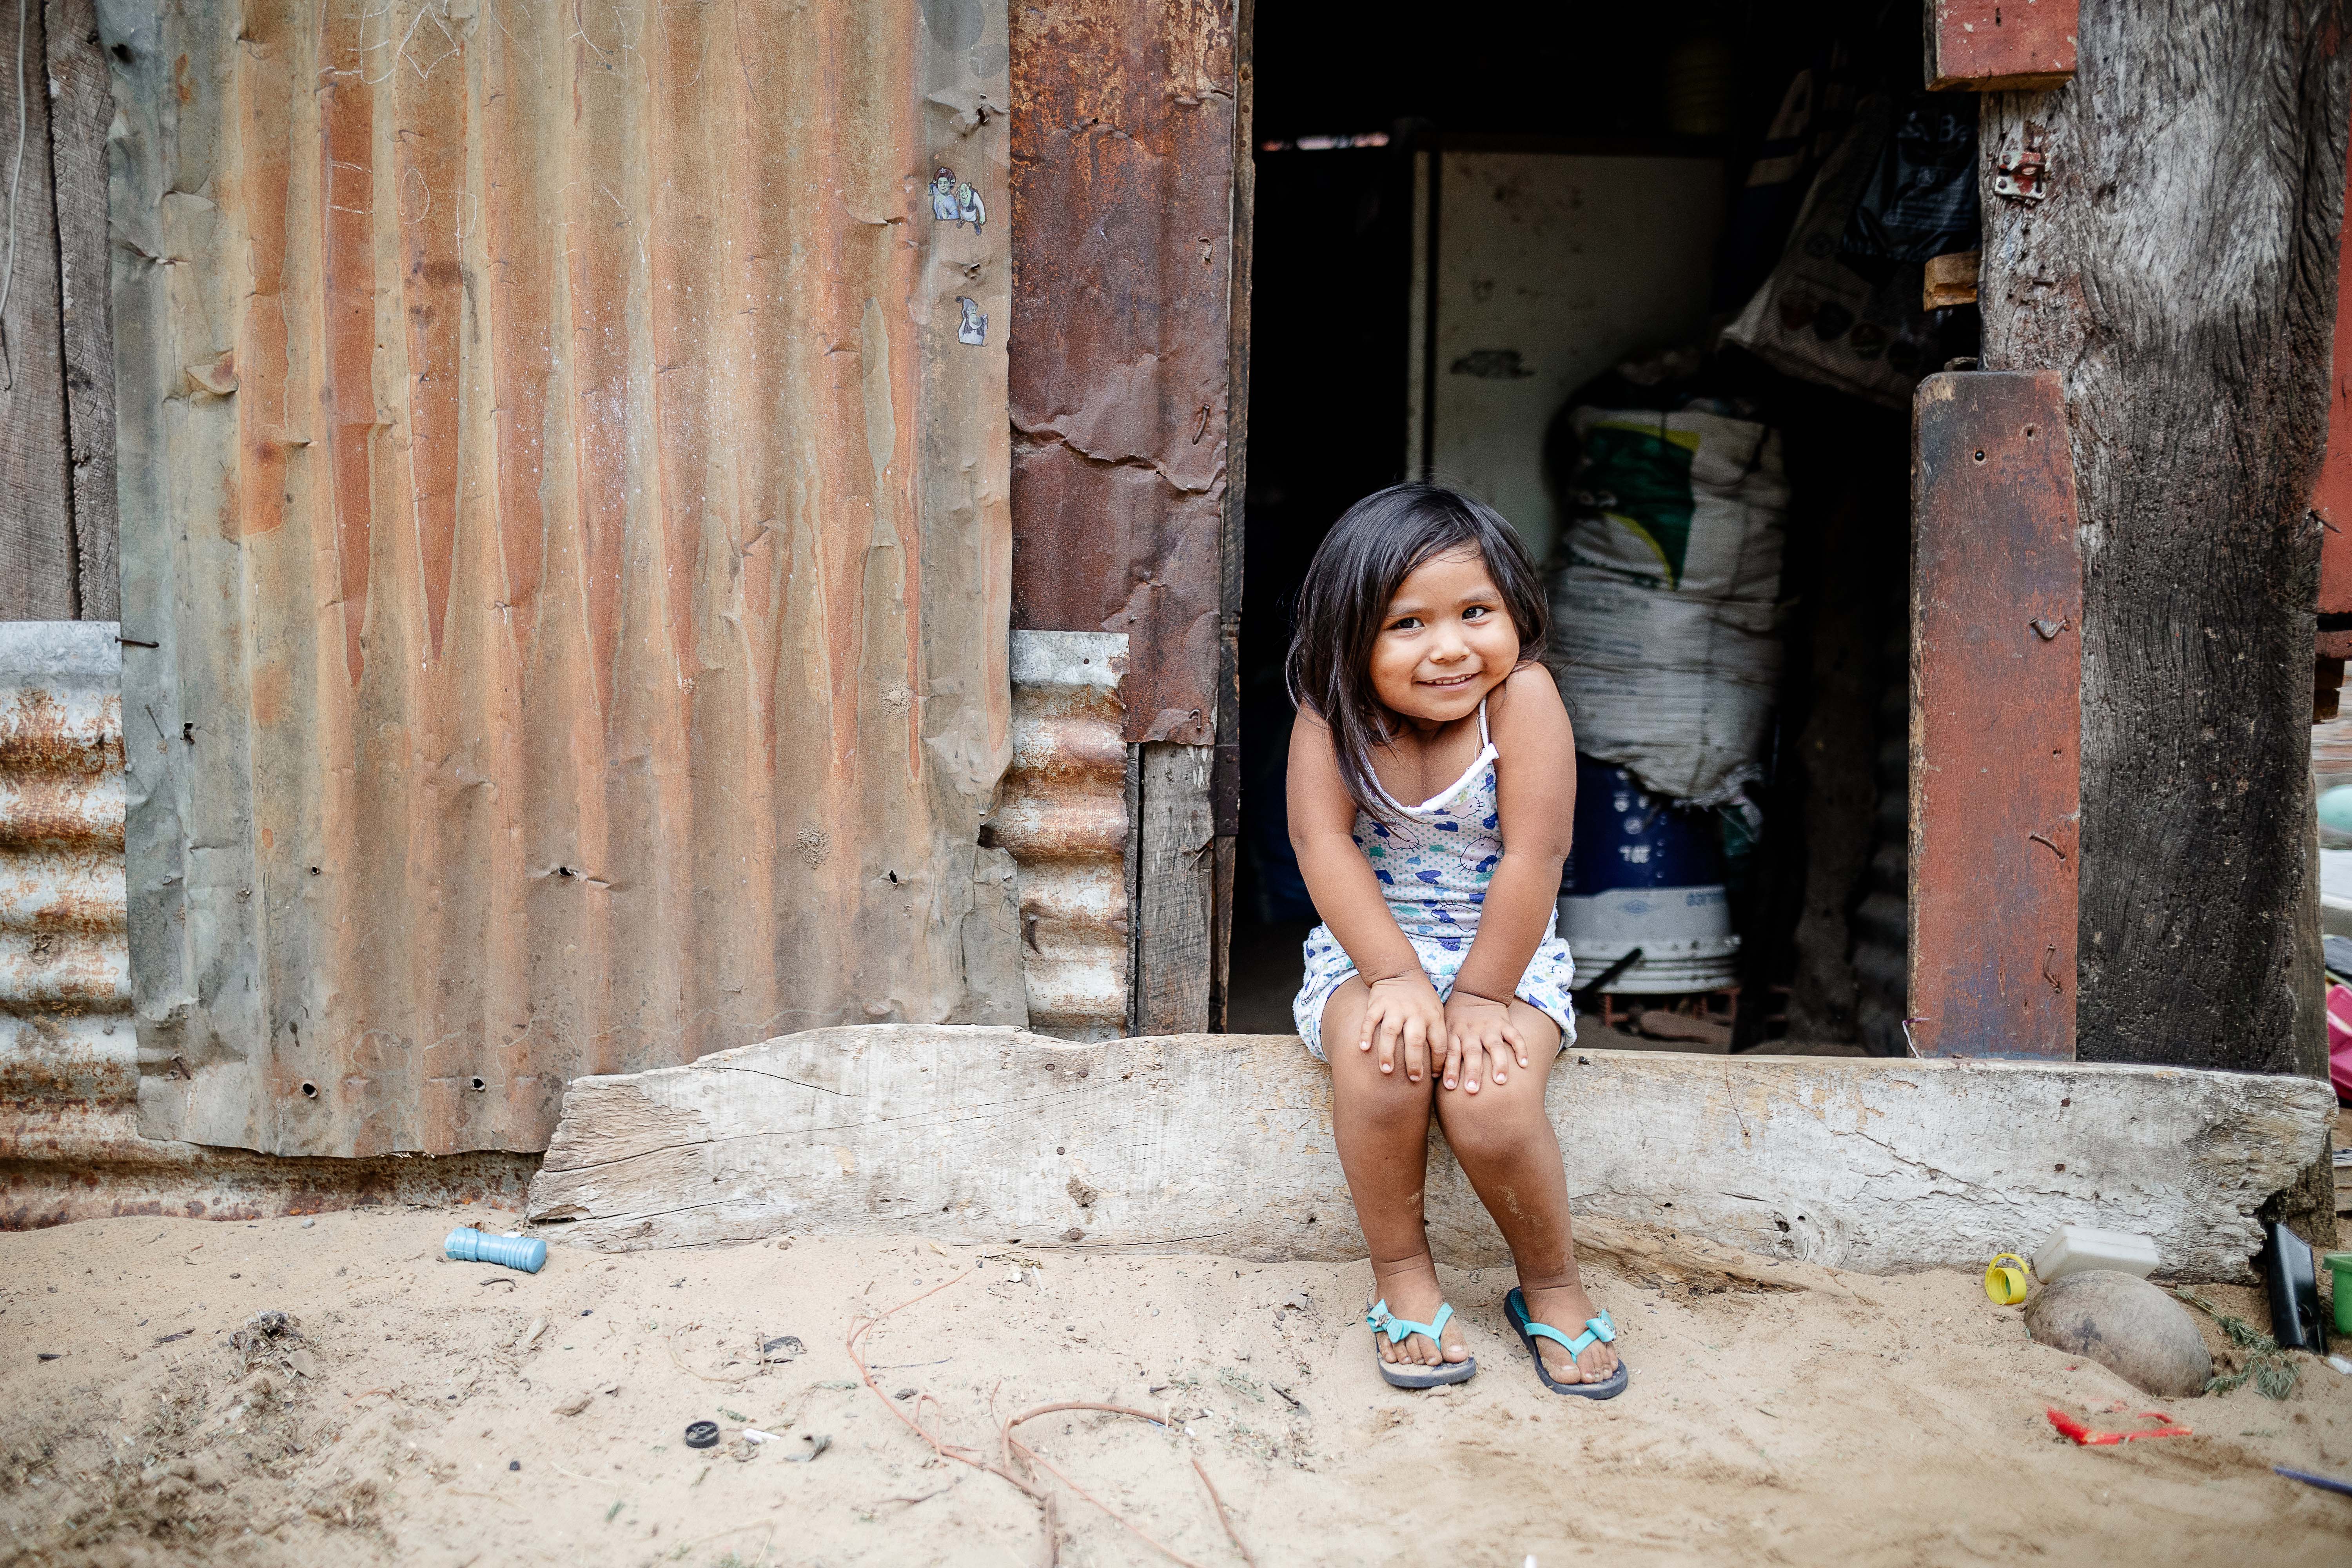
(1684, 935)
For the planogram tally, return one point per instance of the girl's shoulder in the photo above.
(1526, 703)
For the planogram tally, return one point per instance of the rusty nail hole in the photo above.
(479, 1085)
(2062, 1164)
(309, 1090)
(314, 870)
(1979, 454)
(2030, 431)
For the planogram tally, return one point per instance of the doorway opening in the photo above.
(1652, 284)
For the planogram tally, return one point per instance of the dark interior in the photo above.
(1818, 901)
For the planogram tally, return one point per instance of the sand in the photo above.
(410, 1416)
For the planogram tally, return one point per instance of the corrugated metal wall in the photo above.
(70, 1142)
(565, 463)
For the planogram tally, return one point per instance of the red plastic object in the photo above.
(2339, 1039)
(2091, 1438)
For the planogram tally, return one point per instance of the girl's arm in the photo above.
(1535, 786)
(1404, 1010)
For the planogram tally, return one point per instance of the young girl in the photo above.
(1436, 983)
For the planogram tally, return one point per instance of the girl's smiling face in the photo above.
(1446, 641)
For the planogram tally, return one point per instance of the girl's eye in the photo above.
(1475, 613)
(1407, 623)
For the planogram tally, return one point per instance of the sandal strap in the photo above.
(1383, 1322)
(1597, 1327)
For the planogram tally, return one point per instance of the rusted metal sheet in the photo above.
(1996, 717)
(64, 966)
(2331, 497)
(564, 464)
(70, 1142)
(1063, 818)
(1123, 204)
(2000, 46)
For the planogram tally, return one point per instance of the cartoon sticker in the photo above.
(954, 201)
(972, 327)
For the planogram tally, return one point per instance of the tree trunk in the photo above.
(2180, 274)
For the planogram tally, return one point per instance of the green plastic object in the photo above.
(2335, 809)
(2339, 1264)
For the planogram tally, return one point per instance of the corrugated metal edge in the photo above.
(1062, 815)
(65, 1040)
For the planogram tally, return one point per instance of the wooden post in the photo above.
(1175, 888)
(2175, 263)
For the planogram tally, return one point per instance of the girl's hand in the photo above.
(1479, 1034)
(1404, 1012)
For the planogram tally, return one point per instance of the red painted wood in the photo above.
(1987, 46)
(2331, 497)
(1996, 717)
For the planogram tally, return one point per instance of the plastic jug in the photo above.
(2071, 1249)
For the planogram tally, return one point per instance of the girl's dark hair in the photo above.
(1376, 544)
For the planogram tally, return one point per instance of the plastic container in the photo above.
(2339, 1264)
(1649, 875)
(466, 1245)
(2071, 1249)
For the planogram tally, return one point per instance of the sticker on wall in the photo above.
(972, 327)
(954, 201)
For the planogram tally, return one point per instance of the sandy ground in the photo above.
(417, 1419)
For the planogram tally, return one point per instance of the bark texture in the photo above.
(2180, 274)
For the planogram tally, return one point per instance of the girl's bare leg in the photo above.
(1506, 1147)
(1380, 1123)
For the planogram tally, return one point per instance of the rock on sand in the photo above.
(2126, 1325)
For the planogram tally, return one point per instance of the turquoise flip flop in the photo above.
(1599, 1327)
(1400, 1375)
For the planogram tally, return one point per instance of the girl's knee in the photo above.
(1494, 1122)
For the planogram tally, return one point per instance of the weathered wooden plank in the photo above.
(1986, 45)
(37, 552)
(2331, 495)
(1175, 892)
(1223, 1143)
(80, 107)
(1996, 717)
(2198, 416)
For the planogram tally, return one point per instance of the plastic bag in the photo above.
(1921, 201)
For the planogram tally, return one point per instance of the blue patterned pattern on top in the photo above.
(1434, 865)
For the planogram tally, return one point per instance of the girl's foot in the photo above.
(1565, 1308)
(1412, 1291)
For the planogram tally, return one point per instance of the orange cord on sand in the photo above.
(2091, 1438)
(1010, 1447)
